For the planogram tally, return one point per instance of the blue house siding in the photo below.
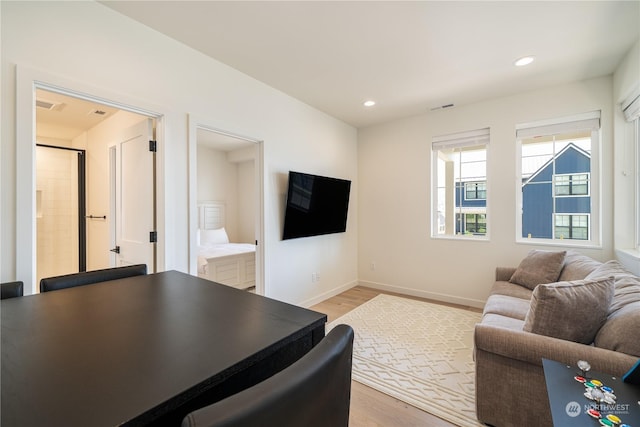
(537, 193)
(461, 202)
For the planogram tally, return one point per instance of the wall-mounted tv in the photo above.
(315, 205)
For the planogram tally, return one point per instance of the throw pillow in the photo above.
(538, 267)
(213, 237)
(572, 311)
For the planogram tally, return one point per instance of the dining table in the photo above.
(141, 351)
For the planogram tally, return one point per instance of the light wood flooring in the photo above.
(369, 407)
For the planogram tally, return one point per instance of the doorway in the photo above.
(29, 83)
(226, 207)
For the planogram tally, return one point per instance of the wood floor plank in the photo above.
(369, 407)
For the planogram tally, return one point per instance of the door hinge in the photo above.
(153, 146)
(153, 237)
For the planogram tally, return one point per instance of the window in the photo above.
(474, 223)
(571, 185)
(459, 204)
(558, 179)
(572, 227)
(475, 190)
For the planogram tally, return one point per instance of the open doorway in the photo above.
(78, 223)
(226, 207)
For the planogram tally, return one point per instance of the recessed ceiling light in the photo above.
(369, 103)
(525, 60)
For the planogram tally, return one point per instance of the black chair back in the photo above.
(11, 290)
(90, 277)
(315, 391)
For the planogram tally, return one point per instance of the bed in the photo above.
(232, 264)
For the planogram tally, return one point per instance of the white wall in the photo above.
(218, 181)
(91, 46)
(246, 201)
(626, 80)
(394, 176)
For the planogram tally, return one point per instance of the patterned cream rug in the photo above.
(417, 352)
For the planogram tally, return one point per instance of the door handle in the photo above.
(116, 249)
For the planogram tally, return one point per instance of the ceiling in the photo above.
(410, 57)
(67, 117)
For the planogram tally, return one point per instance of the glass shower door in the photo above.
(59, 211)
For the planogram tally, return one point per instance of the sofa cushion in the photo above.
(507, 305)
(501, 321)
(572, 311)
(510, 289)
(538, 267)
(621, 331)
(608, 269)
(577, 266)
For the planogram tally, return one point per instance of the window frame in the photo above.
(571, 184)
(476, 191)
(571, 226)
(558, 126)
(460, 140)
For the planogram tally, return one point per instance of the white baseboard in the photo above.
(326, 295)
(424, 294)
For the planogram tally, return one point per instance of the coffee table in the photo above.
(569, 405)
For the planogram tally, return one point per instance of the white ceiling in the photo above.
(409, 57)
(69, 117)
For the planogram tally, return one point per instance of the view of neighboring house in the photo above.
(471, 207)
(556, 199)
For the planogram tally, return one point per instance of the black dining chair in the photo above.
(315, 391)
(11, 289)
(89, 277)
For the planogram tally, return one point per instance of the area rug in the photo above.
(417, 352)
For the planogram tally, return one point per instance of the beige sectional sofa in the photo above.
(589, 311)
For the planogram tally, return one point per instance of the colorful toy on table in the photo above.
(597, 391)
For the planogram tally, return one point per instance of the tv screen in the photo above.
(315, 205)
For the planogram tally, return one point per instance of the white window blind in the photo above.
(461, 139)
(586, 121)
(631, 106)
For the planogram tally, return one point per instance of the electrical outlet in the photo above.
(372, 266)
(315, 277)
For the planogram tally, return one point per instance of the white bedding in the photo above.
(219, 250)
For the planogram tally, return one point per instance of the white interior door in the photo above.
(133, 194)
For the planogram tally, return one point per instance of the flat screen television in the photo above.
(315, 205)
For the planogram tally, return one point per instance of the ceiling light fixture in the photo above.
(525, 60)
(369, 103)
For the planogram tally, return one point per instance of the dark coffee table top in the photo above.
(569, 405)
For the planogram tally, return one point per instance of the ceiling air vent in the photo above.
(442, 107)
(45, 104)
(50, 105)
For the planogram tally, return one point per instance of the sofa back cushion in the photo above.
(572, 311)
(621, 331)
(577, 266)
(538, 267)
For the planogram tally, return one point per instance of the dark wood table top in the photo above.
(118, 351)
(569, 405)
